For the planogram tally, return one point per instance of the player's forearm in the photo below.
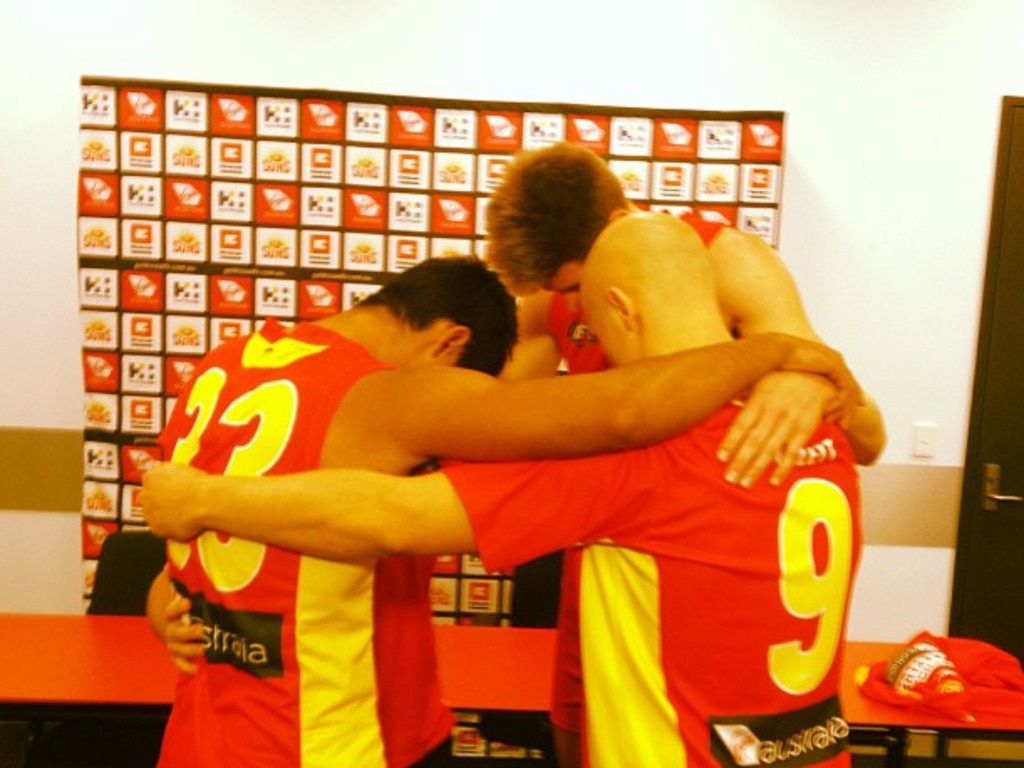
(638, 404)
(626, 407)
(343, 515)
(866, 432)
(306, 512)
(533, 357)
(672, 394)
(159, 594)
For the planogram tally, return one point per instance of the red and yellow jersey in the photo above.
(582, 353)
(710, 616)
(289, 675)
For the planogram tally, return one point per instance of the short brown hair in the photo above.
(548, 210)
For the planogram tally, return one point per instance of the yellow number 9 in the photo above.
(806, 593)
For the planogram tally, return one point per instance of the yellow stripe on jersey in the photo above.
(630, 720)
(334, 647)
(260, 353)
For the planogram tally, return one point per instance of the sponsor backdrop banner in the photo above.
(203, 208)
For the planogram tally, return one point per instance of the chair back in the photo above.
(128, 563)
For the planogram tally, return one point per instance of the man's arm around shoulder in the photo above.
(337, 514)
(436, 411)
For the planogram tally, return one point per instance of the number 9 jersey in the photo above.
(711, 617)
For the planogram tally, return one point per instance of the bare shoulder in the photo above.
(756, 291)
(400, 394)
(733, 248)
(387, 421)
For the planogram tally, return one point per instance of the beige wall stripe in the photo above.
(904, 504)
(41, 469)
(908, 505)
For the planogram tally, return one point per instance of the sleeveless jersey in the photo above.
(706, 229)
(289, 675)
(711, 617)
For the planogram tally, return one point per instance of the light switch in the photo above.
(926, 434)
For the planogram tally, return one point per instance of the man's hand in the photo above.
(183, 638)
(812, 357)
(170, 500)
(779, 417)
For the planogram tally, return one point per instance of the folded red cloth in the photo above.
(954, 676)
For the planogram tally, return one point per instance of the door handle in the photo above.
(991, 495)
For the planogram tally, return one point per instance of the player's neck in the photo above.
(373, 328)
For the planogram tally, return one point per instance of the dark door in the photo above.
(988, 583)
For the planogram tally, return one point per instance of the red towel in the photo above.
(954, 676)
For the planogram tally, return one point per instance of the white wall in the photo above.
(40, 563)
(892, 120)
(892, 105)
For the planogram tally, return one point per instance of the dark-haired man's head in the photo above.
(464, 291)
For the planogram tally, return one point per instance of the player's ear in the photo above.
(449, 344)
(622, 308)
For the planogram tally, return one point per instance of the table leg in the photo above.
(895, 742)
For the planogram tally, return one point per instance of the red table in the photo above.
(73, 664)
(80, 666)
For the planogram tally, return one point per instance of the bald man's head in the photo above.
(648, 288)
